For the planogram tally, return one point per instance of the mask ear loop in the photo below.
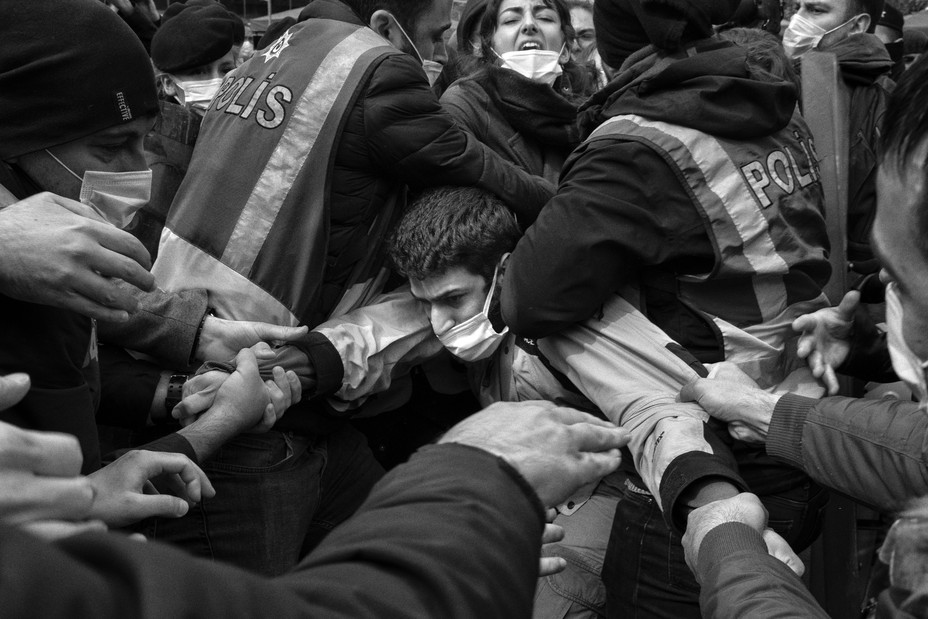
(61, 163)
(408, 38)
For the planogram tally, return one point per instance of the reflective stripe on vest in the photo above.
(738, 187)
(254, 205)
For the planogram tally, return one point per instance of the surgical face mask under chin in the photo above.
(538, 65)
(906, 363)
(432, 69)
(475, 339)
(197, 93)
(115, 196)
(802, 35)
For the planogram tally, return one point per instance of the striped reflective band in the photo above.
(718, 186)
(294, 148)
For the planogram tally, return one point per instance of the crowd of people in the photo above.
(589, 237)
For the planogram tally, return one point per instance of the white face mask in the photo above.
(432, 69)
(906, 363)
(802, 35)
(475, 339)
(197, 93)
(538, 65)
(115, 196)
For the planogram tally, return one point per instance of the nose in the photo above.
(441, 321)
(528, 23)
(440, 53)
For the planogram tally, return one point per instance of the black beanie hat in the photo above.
(176, 7)
(629, 25)
(68, 68)
(192, 37)
(892, 18)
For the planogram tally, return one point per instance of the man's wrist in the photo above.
(761, 415)
(203, 336)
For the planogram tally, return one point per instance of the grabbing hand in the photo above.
(733, 397)
(124, 492)
(553, 533)
(745, 508)
(221, 339)
(58, 252)
(283, 390)
(778, 548)
(825, 340)
(199, 394)
(248, 403)
(555, 449)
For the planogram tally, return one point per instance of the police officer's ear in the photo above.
(166, 85)
(861, 24)
(385, 24)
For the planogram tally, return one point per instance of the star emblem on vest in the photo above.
(279, 45)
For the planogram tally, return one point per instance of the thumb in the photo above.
(849, 304)
(245, 361)
(13, 388)
(691, 391)
(163, 505)
(281, 333)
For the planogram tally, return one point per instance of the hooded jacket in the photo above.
(625, 217)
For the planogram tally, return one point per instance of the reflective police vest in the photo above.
(762, 201)
(250, 221)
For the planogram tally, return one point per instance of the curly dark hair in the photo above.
(450, 227)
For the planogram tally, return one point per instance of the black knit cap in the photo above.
(193, 35)
(176, 7)
(892, 18)
(68, 68)
(625, 26)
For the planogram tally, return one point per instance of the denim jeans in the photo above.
(644, 572)
(277, 495)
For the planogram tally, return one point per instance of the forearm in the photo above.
(455, 532)
(884, 442)
(738, 578)
(379, 342)
(630, 369)
(165, 326)
(209, 432)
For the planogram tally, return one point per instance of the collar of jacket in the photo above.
(533, 109)
(330, 9)
(862, 58)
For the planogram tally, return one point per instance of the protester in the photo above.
(452, 244)
(872, 450)
(520, 102)
(583, 50)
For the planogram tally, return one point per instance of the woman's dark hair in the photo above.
(577, 81)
